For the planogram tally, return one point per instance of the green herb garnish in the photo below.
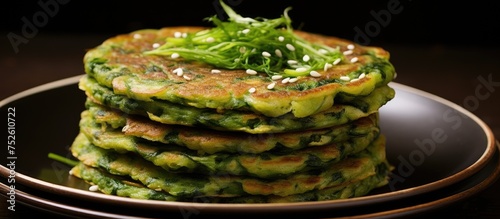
(257, 45)
(62, 159)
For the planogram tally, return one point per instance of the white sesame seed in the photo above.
(355, 79)
(337, 61)
(278, 53)
(215, 71)
(137, 36)
(284, 81)
(178, 71)
(184, 35)
(306, 58)
(362, 75)
(292, 62)
(252, 90)
(266, 54)
(281, 38)
(290, 47)
(94, 188)
(345, 78)
(314, 74)
(301, 69)
(271, 85)
(350, 47)
(355, 59)
(327, 66)
(323, 51)
(125, 128)
(156, 45)
(292, 80)
(276, 77)
(177, 34)
(70, 172)
(210, 40)
(347, 52)
(251, 72)
(175, 55)
(245, 31)
(186, 77)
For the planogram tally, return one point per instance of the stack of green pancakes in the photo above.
(166, 127)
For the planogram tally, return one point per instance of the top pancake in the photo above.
(120, 63)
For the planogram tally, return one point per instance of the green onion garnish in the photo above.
(62, 159)
(256, 45)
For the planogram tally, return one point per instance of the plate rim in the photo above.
(330, 204)
(56, 207)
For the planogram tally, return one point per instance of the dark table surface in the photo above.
(451, 72)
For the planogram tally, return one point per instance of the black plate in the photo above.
(432, 142)
(396, 209)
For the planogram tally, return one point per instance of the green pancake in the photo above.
(210, 141)
(119, 186)
(352, 169)
(120, 64)
(169, 113)
(263, 165)
(250, 111)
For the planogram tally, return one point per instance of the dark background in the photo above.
(409, 21)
